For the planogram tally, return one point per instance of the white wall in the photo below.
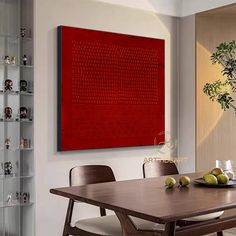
(167, 7)
(186, 131)
(172, 7)
(190, 7)
(52, 167)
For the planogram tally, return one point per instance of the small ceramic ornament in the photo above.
(23, 85)
(7, 143)
(23, 112)
(13, 60)
(7, 60)
(8, 113)
(22, 32)
(24, 60)
(8, 85)
(7, 167)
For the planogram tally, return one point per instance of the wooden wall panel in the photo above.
(215, 129)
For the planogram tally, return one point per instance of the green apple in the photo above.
(184, 181)
(210, 179)
(170, 182)
(223, 179)
(217, 171)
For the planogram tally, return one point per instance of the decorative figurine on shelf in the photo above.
(22, 32)
(7, 143)
(8, 85)
(24, 60)
(7, 60)
(13, 60)
(23, 197)
(18, 196)
(23, 85)
(26, 197)
(8, 113)
(21, 143)
(7, 167)
(24, 143)
(9, 199)
(23, 112)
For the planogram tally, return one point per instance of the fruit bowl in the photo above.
(230, 184)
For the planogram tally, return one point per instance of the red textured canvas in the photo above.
(111, 90)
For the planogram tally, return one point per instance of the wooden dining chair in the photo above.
(103, 225)
(167, 167)
(159, 168)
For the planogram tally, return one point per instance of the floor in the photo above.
(225, 234)
(231, 232)
(228, 234)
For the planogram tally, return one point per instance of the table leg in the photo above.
(129, 229)
(127, 225)
(170, 229)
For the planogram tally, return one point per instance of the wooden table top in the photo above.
(149, 199)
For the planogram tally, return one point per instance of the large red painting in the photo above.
(110, 90)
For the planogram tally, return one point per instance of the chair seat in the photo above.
(110, 225)
(146, 225)
(210, 216)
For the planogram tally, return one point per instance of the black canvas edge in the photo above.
(59, 80)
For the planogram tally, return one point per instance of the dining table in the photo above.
(150, 200)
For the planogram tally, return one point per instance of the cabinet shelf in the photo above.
(14, 120)
(15, 204)
(26, 120)
(16, 65)
(3, 177)
(17, 149)
(17, 190)
(16, 93)
(26, 149)
(15, 37)
(26, 93)
(27, 66)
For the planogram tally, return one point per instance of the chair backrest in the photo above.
(90, 174)
(159, 168)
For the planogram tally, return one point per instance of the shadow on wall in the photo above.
(209, 113)
(174, 8)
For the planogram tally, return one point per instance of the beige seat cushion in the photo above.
(210, 216)
(110, 225)
(146, 225)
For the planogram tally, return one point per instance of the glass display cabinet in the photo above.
(16, 118)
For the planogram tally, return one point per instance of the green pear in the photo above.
(170, 182)
(217, 171)
(211, 179)
(206, 175)
(223, 179)
(184, 181)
